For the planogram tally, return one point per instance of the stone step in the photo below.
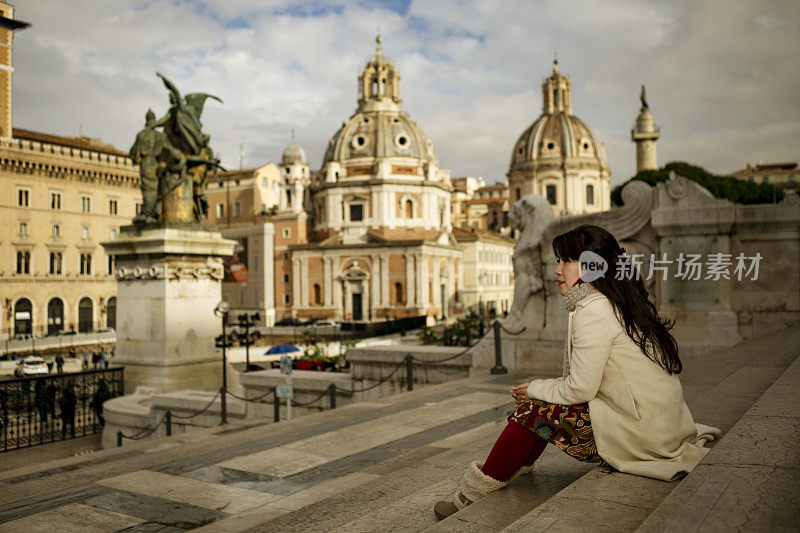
(370, 466)
(750, 481)
(719, 388)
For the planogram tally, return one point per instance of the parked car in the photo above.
(23, 337)
(64, 332)
(32, 366)
(288, 322)
(105, 330)
(326, 323)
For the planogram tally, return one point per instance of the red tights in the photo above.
(516, 446)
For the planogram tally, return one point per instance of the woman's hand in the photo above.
(520, 392)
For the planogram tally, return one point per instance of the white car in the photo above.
(32, 366)
(325, 323)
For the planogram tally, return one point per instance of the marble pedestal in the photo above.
(168, 284)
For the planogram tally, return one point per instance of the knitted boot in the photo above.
(474, 485)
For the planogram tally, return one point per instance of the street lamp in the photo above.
(221, 310)
(247, 339)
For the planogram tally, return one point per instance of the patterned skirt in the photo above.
(566, 426)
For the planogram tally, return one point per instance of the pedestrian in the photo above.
(67, 406)
(96, 359)
(60, 363)
(620, 366)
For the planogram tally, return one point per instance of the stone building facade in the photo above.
(60, 196)
(380, 241)
(559, 156)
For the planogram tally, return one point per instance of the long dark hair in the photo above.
(628, 295)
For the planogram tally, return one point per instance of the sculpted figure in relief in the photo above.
(529, 216)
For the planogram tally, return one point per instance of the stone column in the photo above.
(437, 290)
(337, 296)
(304, 281)
(451, 284)
(295, 282)
(425, 281)
(410, 280)
(374, 281)
(327, 280)
(348, 302)
(421, 281)
(385, 280)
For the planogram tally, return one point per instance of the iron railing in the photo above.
(43, 409)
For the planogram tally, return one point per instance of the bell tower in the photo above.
(378, 83)
(7, 28)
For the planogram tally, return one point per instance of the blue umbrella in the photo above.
(283, 348)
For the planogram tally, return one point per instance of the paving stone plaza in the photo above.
(381, 465)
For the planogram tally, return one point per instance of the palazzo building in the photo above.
(60, 197)
(559, 156)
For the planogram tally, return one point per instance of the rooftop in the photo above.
(82, 143)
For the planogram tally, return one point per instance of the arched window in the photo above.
(55, 316)
(409, 209)
(111, 313)
(398, 293)
(590, 195)
(551, 194)
(85, 312)
(23, 316)
(518, 193)
(317, 294)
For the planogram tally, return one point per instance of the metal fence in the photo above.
(43, 409)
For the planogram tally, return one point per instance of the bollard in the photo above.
(168, 422)
(276, 404)
(119, 439)
(410, 371)
(332, 393)
(223, 393)
(498, 353)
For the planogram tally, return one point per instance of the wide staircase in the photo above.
(381, 465)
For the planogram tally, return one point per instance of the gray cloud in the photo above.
(721, 75)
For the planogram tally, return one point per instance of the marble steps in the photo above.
(370, 466)
(750, 481)
(722, 389)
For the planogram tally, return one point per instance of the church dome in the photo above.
(293, 154)
(378, 129)
(379, 134)
(555, 137)
(557, 133)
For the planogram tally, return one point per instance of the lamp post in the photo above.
(221, 310)
(247, 339)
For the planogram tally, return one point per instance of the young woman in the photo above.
(621, 366)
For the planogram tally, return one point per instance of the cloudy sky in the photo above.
(723, 77)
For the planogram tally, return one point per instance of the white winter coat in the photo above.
(641, 423)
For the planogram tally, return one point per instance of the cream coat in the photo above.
(640, 421)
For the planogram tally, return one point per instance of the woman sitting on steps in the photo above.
(621, 366)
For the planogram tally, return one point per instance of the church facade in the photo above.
(369, 233)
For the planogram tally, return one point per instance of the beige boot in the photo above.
(474, 485)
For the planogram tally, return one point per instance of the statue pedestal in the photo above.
(168, 284)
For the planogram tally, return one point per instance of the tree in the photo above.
(727, 187)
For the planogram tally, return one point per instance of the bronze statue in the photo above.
(145, 152)
(174, 163)
(643, 97)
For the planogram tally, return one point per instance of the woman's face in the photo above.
(567, 273)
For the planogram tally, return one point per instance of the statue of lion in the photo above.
(529, 217)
